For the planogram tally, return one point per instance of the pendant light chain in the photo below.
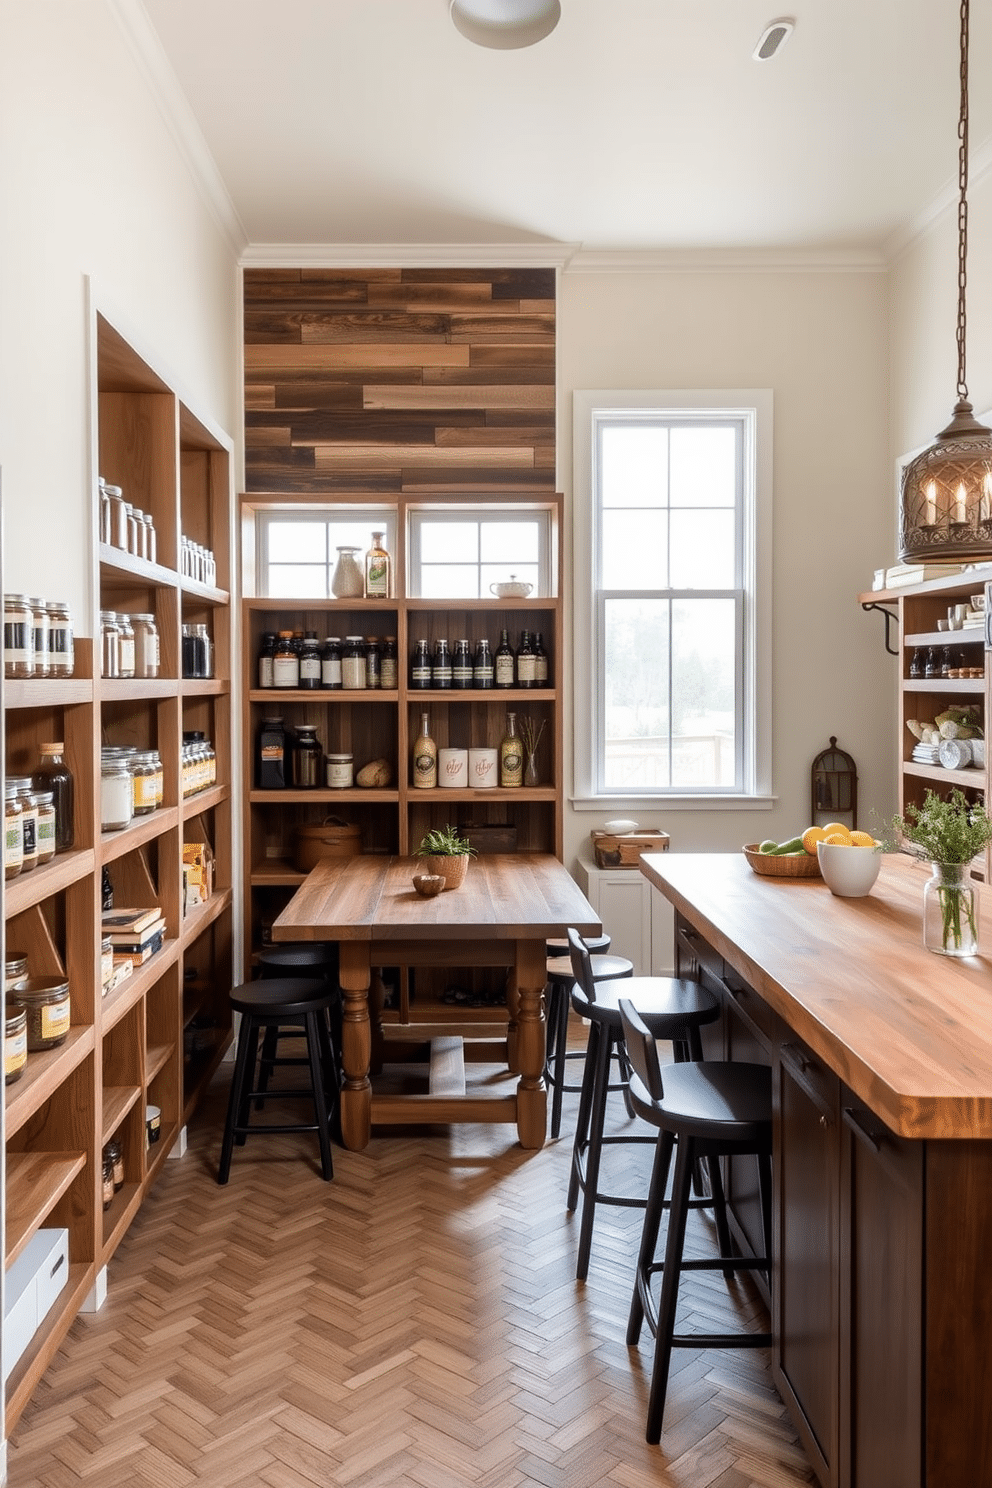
(963, 204)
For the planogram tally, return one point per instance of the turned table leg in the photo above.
(356, 1044)
(532, 1094)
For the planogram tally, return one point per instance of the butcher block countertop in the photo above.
(908, 1031)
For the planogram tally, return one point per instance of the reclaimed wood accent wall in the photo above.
(416, 381)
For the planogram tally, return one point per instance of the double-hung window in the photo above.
(672, 615)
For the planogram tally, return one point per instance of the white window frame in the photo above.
(371, 518)
(482, 516)
(591, 408)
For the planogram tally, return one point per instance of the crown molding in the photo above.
(152, 62)
(406, 255)
(943, 205)
(727, 260)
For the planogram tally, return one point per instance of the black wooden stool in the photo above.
(710, 1110)
(287, 1002)
(673, 1009)
(558, 1004)
(301, 958)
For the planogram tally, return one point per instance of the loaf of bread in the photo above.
(376, 773)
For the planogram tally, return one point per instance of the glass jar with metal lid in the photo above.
(15, 971)
(151, 539)
(18, 636)
(15, 1044)
(42, 633)
(126, 645)
(132, 531)
(46, 1003)
(140, 533)
(118, 516)
(29, 819)
(143, 774)
(116, 793)
(61, 648)
(146, 646)
(114, 1154)
(45, 836)
(340, 771)
(353, 662)
(110, 644)
(13, 835)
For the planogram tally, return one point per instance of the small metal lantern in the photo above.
(833, 786)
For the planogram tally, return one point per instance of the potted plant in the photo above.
(949, 832)
(446, 854)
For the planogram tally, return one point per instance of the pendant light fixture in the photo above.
(946, 502)
(505, 24)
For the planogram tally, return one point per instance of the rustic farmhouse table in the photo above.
(508, 907)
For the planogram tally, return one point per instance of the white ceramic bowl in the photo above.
(512, 588)
(621, 824)
(848, 872)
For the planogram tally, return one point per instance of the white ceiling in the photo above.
(638, 124)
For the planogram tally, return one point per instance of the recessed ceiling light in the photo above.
(505, 23)
(773, 39)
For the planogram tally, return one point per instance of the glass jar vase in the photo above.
(950, 911)
(347, 580)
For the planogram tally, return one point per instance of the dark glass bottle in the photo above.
(267, 651)
(271, 755)
(308, 758)
(388, 669)
(53, 774)
(420, 666)
(526, 662)
(946, 662)
(916, 663)
(310, 662)
(931, 665)
(285, 662)
(441, 668)
(373, 662)
(330, 662)
(504, 668)
(482, 669)
(461, 665)
(540, 662)
(106, 890)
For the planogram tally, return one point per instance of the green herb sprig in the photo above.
(945, 830)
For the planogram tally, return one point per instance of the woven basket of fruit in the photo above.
(781, 865)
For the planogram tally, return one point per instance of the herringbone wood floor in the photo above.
(416, 1322)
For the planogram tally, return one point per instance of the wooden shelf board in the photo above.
(51, 878)
(117, 1101)
(128, 689)
(531, 602)
(124, 997)
(44, 1073)
(118, 567)
(157, 1057)
(323, 797)
(204, 800)
(974, 636)
(495, 793)
(142, 829)
(35, 1183)
(44, 1346)
(973, 686)
(47, 692)
(157, 1155)
(117, 1219)
(324, 695)
(272, 602)
(480, 695)
(205, 687)
(206, 593)
(205, 914)
(204, 1074)
(970, 779)
(276, 873)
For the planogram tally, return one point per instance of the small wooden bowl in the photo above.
(428, 885)
(767, 866)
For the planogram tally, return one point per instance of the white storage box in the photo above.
(32, 1285)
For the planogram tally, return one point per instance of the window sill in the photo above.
(618, 805)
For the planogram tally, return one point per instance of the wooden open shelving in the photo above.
(127, 1048)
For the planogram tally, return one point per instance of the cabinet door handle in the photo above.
(856, 1121)
(802, 1070)
(795, 1057)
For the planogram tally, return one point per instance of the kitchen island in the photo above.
(881, 1052)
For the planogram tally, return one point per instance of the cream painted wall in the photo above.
(819, 341)
(91, 183)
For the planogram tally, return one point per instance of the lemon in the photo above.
(811, 837)
(863, 839)
(836, 830)
(839, 839)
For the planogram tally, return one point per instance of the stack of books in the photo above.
(135, 934)
(901, 574)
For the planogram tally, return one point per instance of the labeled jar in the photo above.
(114, 1154)
(13, 836)
(340, 771)
(45, 835)
(15, 971)
(61, 646)
(116, 795)
(373, 662)
(271, 755)
(310, 663)
(45, 1000)
(353, 672)
(266, 652)
(461, 665)
(54, 775)
(15, 1044)
(42, 632)
(146, 646)
(29, 819)
(110, 644)
(420, 666)
(388, 664)
(107, 1181)
(330, 662)
(18, 636)
(285, 662)
(143, 790)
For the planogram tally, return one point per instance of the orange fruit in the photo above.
(811, 837)
(833, 829)
(863, 839)
(839, 839)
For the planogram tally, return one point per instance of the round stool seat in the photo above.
(282, 996)
(603, 967)
(299, 958)
(596, 943)
(668, 1005)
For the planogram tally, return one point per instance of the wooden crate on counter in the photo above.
(623, 849)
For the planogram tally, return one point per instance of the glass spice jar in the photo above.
(116, 795)
(340, 771)
(15, 971)
(388, 664)
(110, 644)
(353, 674)
(42, 637)
(61, 647)
(125, 646)
(107, 1181)
(13, 837)
(29, 820)
(146, 646)
(45, 836)
(114, 1151)
(330, 662)
(45, 1000)
(15, 1044)
(18, 636)
(285, 662)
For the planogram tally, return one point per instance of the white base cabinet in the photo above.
(637, 918)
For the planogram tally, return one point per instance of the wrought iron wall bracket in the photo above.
(891, 618)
